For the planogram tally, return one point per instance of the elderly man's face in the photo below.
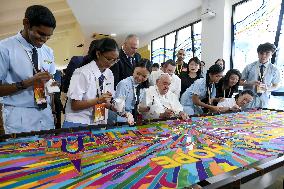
(163, 84)
(130, 46)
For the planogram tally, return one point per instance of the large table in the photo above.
(233, 148)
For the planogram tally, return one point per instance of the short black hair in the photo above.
(169, 62)
(39, 15)
(249, 92)
(155, 65)
(266, 47)
(144, 63)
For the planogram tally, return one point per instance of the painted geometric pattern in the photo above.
(169, 154)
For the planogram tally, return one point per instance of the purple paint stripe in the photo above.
(10, 169)
(17, 175)
(18, 164)
(201, 172)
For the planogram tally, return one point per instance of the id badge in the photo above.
(39, 94)
(99, 112)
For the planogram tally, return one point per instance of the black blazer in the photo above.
(123, 68)
(75, 62)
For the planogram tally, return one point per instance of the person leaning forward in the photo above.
(25, 60)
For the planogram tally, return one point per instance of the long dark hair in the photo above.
(222, 61)
(225, 80)
(101, 45)
(144, 63)
(214, 69)
(197, 61)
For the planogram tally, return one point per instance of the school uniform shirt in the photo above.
(227, 102)
(20, 112)
(175, 86)
(271, 76)
(159, 103)
(84, 86)
(198, 88)
(127, 88)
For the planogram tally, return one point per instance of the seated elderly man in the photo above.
(159, 102)
(168, 67)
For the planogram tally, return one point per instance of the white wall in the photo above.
(216, 32)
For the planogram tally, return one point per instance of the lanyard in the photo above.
(210, 91)
(225, 92)
(30, 58)
(179, 69)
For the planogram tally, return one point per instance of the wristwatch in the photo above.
(20, 85)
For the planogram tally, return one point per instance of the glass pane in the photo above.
(170, 44)
(184, 42)
(255, 22)
(158, 50)
(197, 28)
(280, 54)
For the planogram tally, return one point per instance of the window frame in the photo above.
(191, 25)
(277, 34)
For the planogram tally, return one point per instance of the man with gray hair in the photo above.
(128, 57)
(160, 102)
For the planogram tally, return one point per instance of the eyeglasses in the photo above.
(113, 60)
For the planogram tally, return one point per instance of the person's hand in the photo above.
(105, 98)
(236, 108)
(55, 83)
(40, 76)
(110, 106)
(216, 109)
(144, 108)
(221, 99)
(252, 83)
(130, 118)
(263, 87)
(168, 113)
(183, 115)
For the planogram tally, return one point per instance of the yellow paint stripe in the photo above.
(7, 183)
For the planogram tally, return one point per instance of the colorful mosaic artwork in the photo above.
(171, 154)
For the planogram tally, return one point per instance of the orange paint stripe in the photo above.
(215, 169)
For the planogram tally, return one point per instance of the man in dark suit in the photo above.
(128, 57)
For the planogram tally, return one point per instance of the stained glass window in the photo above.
(167, 46)
(197, 28)
(184, 41)
(280, 53)
(158, 50)
(170, 45)
(254, 22)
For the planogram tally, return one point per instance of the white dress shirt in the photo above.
(159, 103)
(175, 86)
(228, 102)
(83, 86)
